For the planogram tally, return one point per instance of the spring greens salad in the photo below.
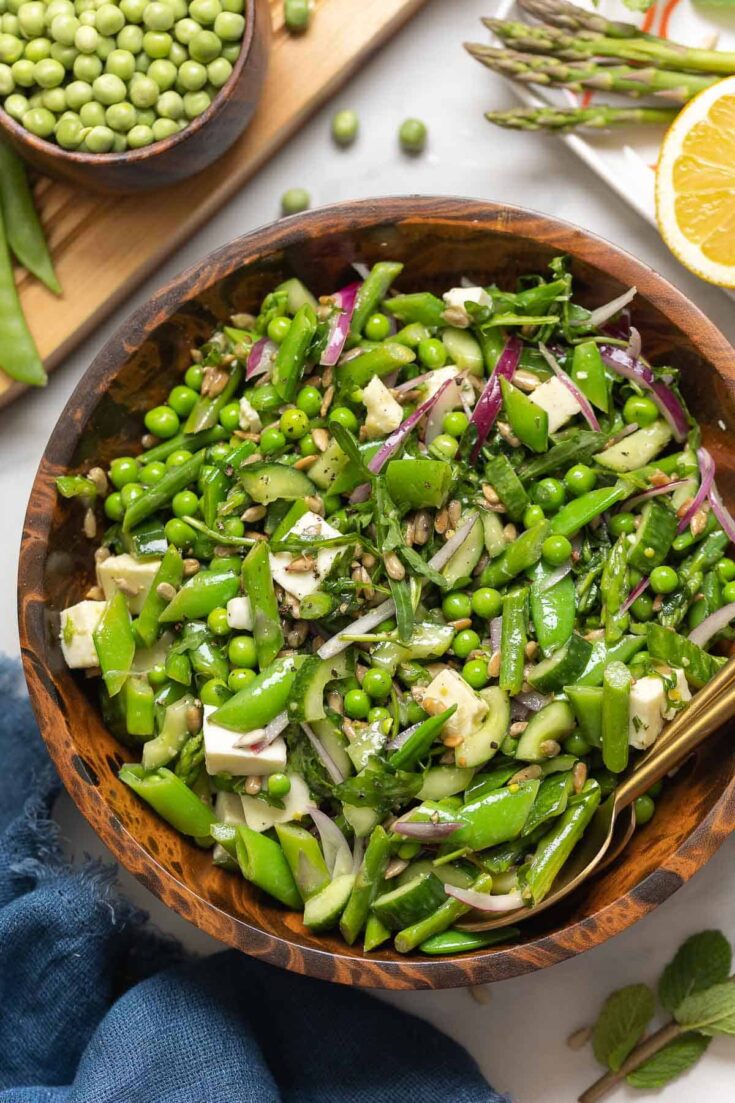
(397, 588)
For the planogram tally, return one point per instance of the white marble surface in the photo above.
(518, 1037)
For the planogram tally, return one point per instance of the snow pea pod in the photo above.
(207, 590)
(213, 484)
(555, 848)
(419, 740)
(616, 683)
(171, 571)
(76, 486)
(373, 290)
(25, 233)
(291, 357)
(501, 475)
(258, 585)
(174, 801)
(172, 736)
(305, 859)
(205, 656)
(205, 414)
(578, 448)
(514, 637)
(495, 818)
(529, 422)
(421, 307)
(380, 361)
(18, 353)
(460, 942)
(623, 650)
(580, 511)
(444, 916)
(263, 863)
(368, 881)
(588, 372)
(699, 666)
(161, 493)
(553, 610)
(115, 643)
(614, 587)
(189, 442)
(260, 701)
(139, 707)
(517, 557)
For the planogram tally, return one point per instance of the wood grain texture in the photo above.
(439, 240)
(138, 235)
(184, 154)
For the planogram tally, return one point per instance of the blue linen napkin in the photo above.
(97, 1008)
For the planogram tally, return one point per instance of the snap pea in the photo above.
(172, 736)
(517, 557)
(139, 707)
(529, 422)
(461, 942)
(496, 817)
(161, 493)
(614, 586)
(205, 591)
(580, 511)
(24, 231)
(616, 683)
(553, 609)
(622, 651)
(379, 361)
(115, 643)
(588, 372)
(554, 849)
(374, 288)
(291, 357)
(18, 353)
(213, 484)
(368, 881)
(421, 307)
(698, 665)
(420, 740)
(189, 442)
(170, 572)
(263, 863)
(305, 859)
(501, 475)
(261, 700)
(207, 410)
(444, 916)
(258, 585)
(578, 448)
(513, 640)
(174, 801)
(376, 933)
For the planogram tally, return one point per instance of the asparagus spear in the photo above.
(624, 79)
(560, 13)
(587, 44)
(562, 119)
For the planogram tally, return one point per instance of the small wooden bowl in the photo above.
(184, 154)
(440, 240)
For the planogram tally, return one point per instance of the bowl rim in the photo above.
(492, 964)
(47, 149)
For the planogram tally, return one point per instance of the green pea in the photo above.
(22, 73)
(378, 714)
(170, 105)
(182, 400)
(32, 19)
(158, 16)
(309, 399)
(641, 410)
(87, 68)
(16, 106)
(577, 745)
(240, 678)
(475, 673)
(109, 89)
(357, 704)
(664, 580)
(157, 676)
(532, 515)
(185, 30)
(345, 127)
(412, 136)
(152, 473)
(272, 440)
(580, 479)
(192, 76)
(11, 48)
(456, 605)
(78, 93)
(432, 353)
(297, 15)
(121, 63)
(185, 503)
(48, 73)
(68, 133)
(162, 421)
(130, 39)
(377, 683)
(227, 563)
(194, 377)
(295, 200)
(55, 100)
(293, 424)
(109, 19)
(39, 121)
(228, 26)
(279, 785)
(37, 49)
(278, 327)
(556, 550)
(621, 524)
(121, 117)
(133, 10)
(205, 47)
(444, 447)
(414, 713)
(728, 593)
(86, 39)
(725, 568)
(465, 642)
(130, 492)
(233, 5)
(114, 508)
(549, 494)
(307, 446)
(214, 692)
(164, 128)
(64, 28)
(100, 139)
(92, 114)
(219, 452)
(642, 607)
(242, 652)
(644, 809)
(217, 622)
(179, 533)
(218, 71)
(656, 790)
(455, 423)
(196, 103)
(342, 415)
(157, 44)
(231, 51)
(144, 92)
(487, 602)
(141, 134)
(229, 416)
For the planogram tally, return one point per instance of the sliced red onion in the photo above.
(635, 345)
(392, 443)
(582, 401)
(270, 733)
(402, 737)
(363, 270)
(721, 512)
(411, 384)
(445, 553)
(518, 711)
(633, 427)
(706, 477)
(533, 700)
(337, 853)
(340, 324)
(261, 358)
(360, 494)
(484, 901)
(556, 576)
(496, 632)
(632, 368)
(634, 594)
(325, 758)
(653, 492)
(449, 401)
(603, 314)
(363, 624)
(488, 404)
(620, 329)
(426, 832)
(711, 625)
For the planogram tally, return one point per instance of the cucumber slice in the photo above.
(428, 641)
(444, 781)
(411, 902)
(553, 611)
(653, 538)
(298, 294)
(450, 874)
(636, 450)
(555, 721)
(271, 482)
(323, 910)
(697, 664)
(563, 667)
(369, 742)
(361, 820)
(501, 475)
(334, 742)
(586, 701)
(492, 527)
(306, 700)
(463, 350)
(480, 746)
(466, 557)
(330, 464)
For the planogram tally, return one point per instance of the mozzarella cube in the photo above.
(646, 716)
(558, 401)
(301, 583)
(249, 417)
(134, 577)
(240, 614)
(458, 296)
(77, 625)
(261, 816)
(223, 755)
(678, 695)
(448, 689)
(384, 413)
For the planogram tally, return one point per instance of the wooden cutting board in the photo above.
(104, 246)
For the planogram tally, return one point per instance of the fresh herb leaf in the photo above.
(675, 1058)
(709, 1012)
(401, 594)
(349, 446)
(622, 1022)
(703, 960)
(378, 787)
(413, 560)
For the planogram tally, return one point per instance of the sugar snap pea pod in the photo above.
(538, 299)
(25, 233)
(553, 797)
(554, 849)
(261, 700)
(653, 538)
(376, 933)
(444, 916)
(710, 600)
(291, 357)
(706, 556)
(418, 483)
(588, 372)
(172, 736)
(492, 342)
(420, 740)
(699, 666)
(496, 817)
(161, 493)
(586, 702)
(18, 353)
(616, 683)
(461, 942)
(578, 448)
(614, 586)
(139, 707)
(373, 290)
(178, 668)
(171, 572)
(174, 801)
(205, 414)
(368, 881)
(553, 610)
(517, 557)
(380, 361)
(258, 585)
(580, 511)
(687, 539)
(622, 651)
(76, 486)
(205, 656)
(421, 307)
(115, 643)
(263, 863)
(213, 484)
(305, 859)
(501, 475)
(529, 422)
(189, 442)
(226, 835)
(205, 591)
(514, 637)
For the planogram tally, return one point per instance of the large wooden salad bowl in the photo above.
(440, 240)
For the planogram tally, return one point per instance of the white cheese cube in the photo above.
(384, 413)
(249, 417)
(558, 401)
(678, 695)
(301, 583)
(223, 755)
(261, 816)
(448, 689)
(647, 705)
(77, 625)
(133, 576)
(458, 296)
(240, 614)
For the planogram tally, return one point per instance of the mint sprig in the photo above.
(622, 1023)
(703, 960)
